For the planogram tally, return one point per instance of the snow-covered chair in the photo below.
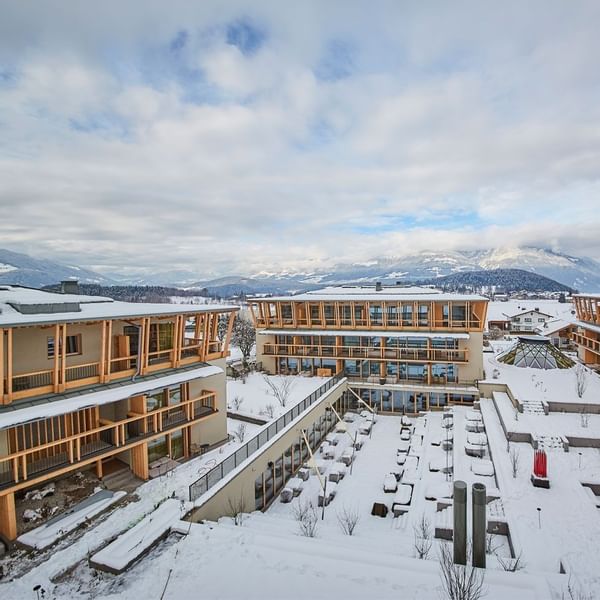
(405, 435)
(390, 484)
(347, 456)
(477, 439)
(402, 499)
(332, 438)
(482, 467)
(403, 447)
(286, 495)
(337, 472)
(295, 484)
(475, 450)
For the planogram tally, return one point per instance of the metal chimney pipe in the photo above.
(479, 524)
(459, 536)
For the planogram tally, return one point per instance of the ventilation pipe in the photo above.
(459, 536)
(479, 524)
(378, 286)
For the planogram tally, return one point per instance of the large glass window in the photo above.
(459, 314)
(423, 314)
(177, 444)
(375, 314)
(157, 448)
(156, 399)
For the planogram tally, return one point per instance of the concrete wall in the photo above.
(473, 370)
(268, 362)
(242, 484)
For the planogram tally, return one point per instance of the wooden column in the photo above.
(146, 324)
(109, 345)
(9, 364)
(63, 358)
(102, 370)
(139, 461)
(232, 317)
(8, 517)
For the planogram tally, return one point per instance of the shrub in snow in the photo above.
(268, 410)
(348, 519)
(581, 380)
(460, 582)
(237, 508)
(280, 389)
(423, 533)
(306, 515)
(237, 402)
(240, 432)
(574, 592)
(511, 564)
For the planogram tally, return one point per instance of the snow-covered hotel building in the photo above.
(587, 336)
(403, 349)
(87, 381)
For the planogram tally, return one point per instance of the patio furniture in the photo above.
(286, 495)
(337, 472)
(475, 450)
(389, 483)
(347, 456)
(303, 473)
(405, 435)
(332, 438)
(402, 499)
(403, 446)
(365, 428)
(482, 467)
(477, 439)
(295, 484)
(379, 510)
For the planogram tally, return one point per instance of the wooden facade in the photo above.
(371, 315)
(184, 339)
(432, 340)
(587, 337)
(81, 354)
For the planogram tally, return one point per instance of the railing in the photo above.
(417, 323)
(366, 352)
(202, 485)
(586, 342)
(115, 434)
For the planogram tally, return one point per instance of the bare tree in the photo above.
(268, 410)
(240, 432)
(280, 389)
(581, 380)
(348, 519)
(514, 458)
(460, 582)
(423, 537)
(306, 515)
(237, 402)
(244, 337)
(511, 564)
(237, 508)
(491, 544)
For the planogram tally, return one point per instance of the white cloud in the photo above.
(466, 127)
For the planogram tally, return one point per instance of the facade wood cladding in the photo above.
(588, 338)
(105, 352)
(430, 315)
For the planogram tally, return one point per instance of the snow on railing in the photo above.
(208, 480)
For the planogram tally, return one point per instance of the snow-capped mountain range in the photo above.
(576, 272)
(579, 273)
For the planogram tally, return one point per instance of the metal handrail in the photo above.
(216, 474)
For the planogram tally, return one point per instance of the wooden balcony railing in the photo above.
(397, 324)
(36, 383)
(364, 352)
(38, 460)
(586, 342)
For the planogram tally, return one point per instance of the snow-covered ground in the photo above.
(256, 396)
(551, 385)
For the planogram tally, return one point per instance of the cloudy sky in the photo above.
(231, 137)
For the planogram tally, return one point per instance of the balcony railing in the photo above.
(586, 342)
(27, 464)
(364, 352)
(35, 383)
(396, 324)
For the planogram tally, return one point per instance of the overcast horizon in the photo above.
(241, 137)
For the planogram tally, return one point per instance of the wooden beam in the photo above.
(8, 517)
(1, 366)
(232, 318)
(9, 364)
(102, 353)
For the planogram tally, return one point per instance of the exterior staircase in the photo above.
(533, 407)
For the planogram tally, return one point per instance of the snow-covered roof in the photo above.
(352, 332)
(12, 414)
(586, 325)
(503, 311)
(28, 306)
(527, 312)
(584, 295)
(553, 326)
(370, 293)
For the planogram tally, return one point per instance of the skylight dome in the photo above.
(535, 352)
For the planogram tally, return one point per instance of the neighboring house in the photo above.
(87, 380)
(587, 336)
(559, 331)
(402, 349)
(528, 321)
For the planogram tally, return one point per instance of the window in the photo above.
(73, 345)
(527, 319)
(156, 399)
(541, 320)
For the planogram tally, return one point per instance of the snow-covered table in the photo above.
(482, 467)
(477, 439)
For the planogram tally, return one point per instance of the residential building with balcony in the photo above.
(587, 336)
(87, 379)
(403, 349)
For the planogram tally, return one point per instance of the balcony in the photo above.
(110, 437)
(366, 353)
(586, 342)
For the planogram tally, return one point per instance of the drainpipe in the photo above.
(139, 353)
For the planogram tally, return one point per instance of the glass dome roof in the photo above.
(535, 352)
